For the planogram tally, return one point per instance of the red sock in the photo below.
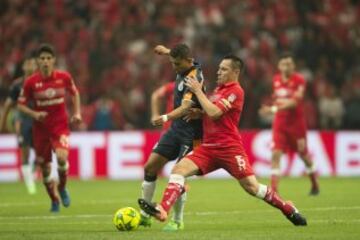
(62, 179)
(171, 194)
(274, 200)
(274, 182)
(50, 188)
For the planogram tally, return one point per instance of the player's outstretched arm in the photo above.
(9, 103)
(161, 50)
(155, 103)
(174, 114)
(210, 109)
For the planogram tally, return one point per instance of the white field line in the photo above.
(90, 202)
(88, 216)
(207, 222)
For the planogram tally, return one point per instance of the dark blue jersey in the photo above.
(14, 94)
(193, 128)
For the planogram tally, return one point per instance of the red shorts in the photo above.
(233, 160)
(46, 141)
(286, 138)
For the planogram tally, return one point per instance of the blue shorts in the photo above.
(25, 136)
(172, 146)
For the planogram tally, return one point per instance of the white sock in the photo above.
(275, 171)
(311, 169)
(179, 208)
(147, 192)
(28, 177)
(261, 191)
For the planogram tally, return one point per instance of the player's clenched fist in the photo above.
(40, 116)
(76, 119)
(158, 121)
(161, 50)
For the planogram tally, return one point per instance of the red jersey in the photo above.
(293, 117)
(224, 132)
(48, 94)
(167, 91)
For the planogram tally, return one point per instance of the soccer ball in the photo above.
(126, 219)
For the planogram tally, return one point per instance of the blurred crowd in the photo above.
(107, 46)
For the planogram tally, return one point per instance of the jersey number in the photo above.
(241, 162)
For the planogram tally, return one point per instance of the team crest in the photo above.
(50, 93)
(181, 86)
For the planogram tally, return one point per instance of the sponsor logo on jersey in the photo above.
(44, 103)
(281, 92)
(50, 92)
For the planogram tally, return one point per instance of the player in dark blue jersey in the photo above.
(180, 138)
(23, 124)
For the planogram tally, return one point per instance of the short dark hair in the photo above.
(236, 62)
(181, 51)
(286, 55)
(45, 47)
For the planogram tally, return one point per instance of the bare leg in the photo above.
(310, 166)
(251, 185)
(275, 169)
(26, 170)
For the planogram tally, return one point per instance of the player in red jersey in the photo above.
(289, 126)
(222, 146)
(47, 90)
(166, 92)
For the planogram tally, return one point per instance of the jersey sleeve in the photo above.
(232, 100)
(70, 84)
(25, 93)
(188, 95)
(169, 88)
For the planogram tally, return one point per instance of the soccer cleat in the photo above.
(155, 210)
(55, 207)
(145, 221)
(296, 218)
(65, 198)
(31, 188)
(314, 191)
(174, 226)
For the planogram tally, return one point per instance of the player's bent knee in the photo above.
(186, 168)
(151, 169)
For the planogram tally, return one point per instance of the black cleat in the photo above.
(147, 207)
(314, 192)
(297, 219)
(152, 209)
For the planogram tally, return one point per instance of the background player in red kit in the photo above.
(289, 126)
(222, 146)
(164, 92)
(47, 90)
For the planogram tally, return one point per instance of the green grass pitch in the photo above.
(216, 209)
